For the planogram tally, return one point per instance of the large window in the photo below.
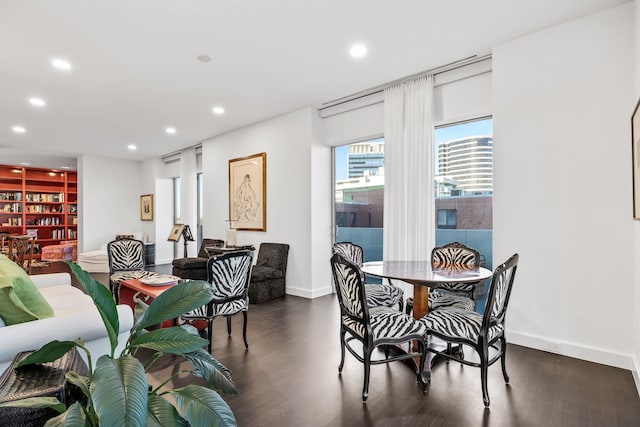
(359, 195)
(464, 185)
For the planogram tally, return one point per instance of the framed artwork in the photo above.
(248, 192)
(146, 207)
(175, 233)
(635, 155)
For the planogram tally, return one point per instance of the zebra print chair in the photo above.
(229, 275)
(479, 331)
(378, 295)
(126, 261)
(381, 326)
(453, 295)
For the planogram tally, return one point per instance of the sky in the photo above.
(480, 127)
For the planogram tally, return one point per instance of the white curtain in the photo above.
(188, 195)
(409, 223)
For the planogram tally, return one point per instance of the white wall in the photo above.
(109, 200)
(562, 103)
(636, 225)
(288, 142)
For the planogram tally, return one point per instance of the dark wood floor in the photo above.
(289, 377)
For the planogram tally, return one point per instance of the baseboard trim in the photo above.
(636, 374)
(578, 351)
(305, 293)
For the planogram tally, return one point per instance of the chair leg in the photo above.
(342, 349)
(423, 356)
(503, 359)
(210, 333)
(115, 287)
(484, 370)
(244, 329)
(229, 325)
(367, 371)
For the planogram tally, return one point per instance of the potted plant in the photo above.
(116, 391)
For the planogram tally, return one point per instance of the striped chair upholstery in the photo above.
(378, 295)
(453, 295)
(126, 261)
(229, 275)
(373, 328)
(479, 331)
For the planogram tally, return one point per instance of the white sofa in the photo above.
(75, 316)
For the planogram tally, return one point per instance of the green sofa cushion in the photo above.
(20, 299)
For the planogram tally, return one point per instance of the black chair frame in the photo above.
(505, 271)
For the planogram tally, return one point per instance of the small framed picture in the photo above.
(248, 192)
(146, 207)
(175, 233)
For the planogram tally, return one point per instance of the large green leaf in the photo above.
(119, 391)
(103, 300)
(162, 414)
(169, 340)
(74, 417)
(175, 301)
(214, 372)
(201, 406)
(48, 353)
(36, 402)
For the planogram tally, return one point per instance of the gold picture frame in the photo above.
(146, 207)
(248, 192)
(635, 156)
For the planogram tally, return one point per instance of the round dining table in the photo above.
(423, 276)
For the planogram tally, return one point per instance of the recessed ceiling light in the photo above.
(18, 129)
(61, 64)
(218, 110)
(65, 167)
(170, 130)
(38, 102)
(27, 163)
(204, 58)
(358, 50)
(132, 147)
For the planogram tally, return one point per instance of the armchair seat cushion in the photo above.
(264, 272)
(190, 263)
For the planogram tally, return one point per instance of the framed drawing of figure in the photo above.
(146, 207)
(248, 192)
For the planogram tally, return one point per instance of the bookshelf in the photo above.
(39, 202)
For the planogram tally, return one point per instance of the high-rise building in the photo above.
(469, 162)
(366, 158)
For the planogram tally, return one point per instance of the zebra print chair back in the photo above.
(350, 251)
(455, 254)
(500, 292)
(349, 281)
(229, 276)
(125, 255)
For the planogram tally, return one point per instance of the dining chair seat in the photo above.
(131, 274)
(439, 299)
(386, 324)
(459, 324)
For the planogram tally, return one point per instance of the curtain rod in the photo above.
(377, 89)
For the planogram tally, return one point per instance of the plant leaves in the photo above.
(215, 373)
(201, 406)
(79, 381)
(175, 301)
(36, 402)
(48, 353)
(103, 300)
(170, 340)
(74, 417)
(162, 414)
(119, 391)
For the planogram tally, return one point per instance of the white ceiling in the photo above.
(135, 67)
